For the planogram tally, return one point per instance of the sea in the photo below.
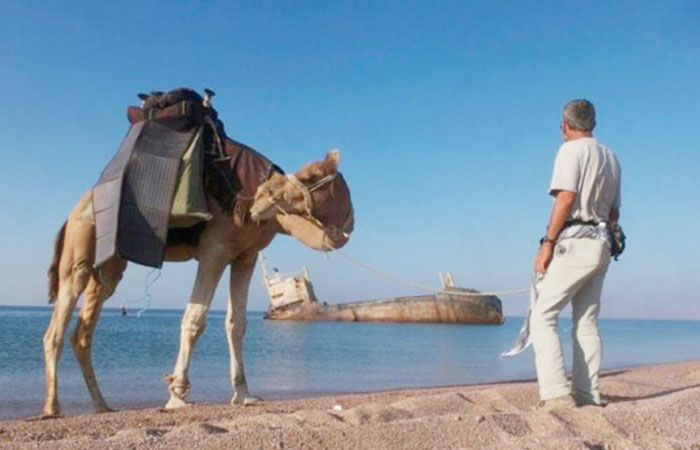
(296, 359)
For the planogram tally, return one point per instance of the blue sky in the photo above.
(446, 114)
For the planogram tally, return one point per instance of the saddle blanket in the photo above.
(133, 199)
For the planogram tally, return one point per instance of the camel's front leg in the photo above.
(241, 272)
(193, 324)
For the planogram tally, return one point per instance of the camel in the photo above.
(313, 205)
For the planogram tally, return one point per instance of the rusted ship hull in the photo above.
(441, 308)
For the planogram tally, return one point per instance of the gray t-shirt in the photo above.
(591, 170)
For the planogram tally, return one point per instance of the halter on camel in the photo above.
(333, 231)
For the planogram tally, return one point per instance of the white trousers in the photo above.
(575, 275)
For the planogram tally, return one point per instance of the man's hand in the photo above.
(563, 201)
(544, 257)
(614, 215)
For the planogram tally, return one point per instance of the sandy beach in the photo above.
(655, 407)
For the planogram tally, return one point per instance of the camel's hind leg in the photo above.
(68, 275)
(100, 287)
(72, 283)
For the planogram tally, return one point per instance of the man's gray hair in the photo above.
(579, 114)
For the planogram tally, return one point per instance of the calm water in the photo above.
(291, 359)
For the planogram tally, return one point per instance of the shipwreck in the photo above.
(292, 298)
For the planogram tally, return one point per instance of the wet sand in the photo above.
(655, 407)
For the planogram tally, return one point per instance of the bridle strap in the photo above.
(306, 191)
(308, 200)
(323, 181)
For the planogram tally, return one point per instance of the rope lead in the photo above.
(398, 280)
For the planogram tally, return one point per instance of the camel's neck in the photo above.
(234, 181)
(249, 167)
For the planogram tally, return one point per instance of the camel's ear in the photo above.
(332, 159)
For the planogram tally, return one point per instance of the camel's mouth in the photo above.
(307, 231)
(262, 210)
(332, 239)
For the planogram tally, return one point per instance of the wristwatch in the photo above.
(546, 239)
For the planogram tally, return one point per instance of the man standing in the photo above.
(573, 259)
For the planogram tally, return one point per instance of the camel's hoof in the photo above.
(104, 409)
(51, 411)
(45, 416)
(175, 402)
(251, 400)
(245, 400)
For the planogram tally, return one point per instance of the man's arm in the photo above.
(563, 202)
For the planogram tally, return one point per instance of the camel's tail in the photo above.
(53, 268)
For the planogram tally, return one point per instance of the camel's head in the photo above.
(315, 199)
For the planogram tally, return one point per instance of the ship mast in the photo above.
(266, 273)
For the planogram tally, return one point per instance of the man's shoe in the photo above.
(563, 402)
(588, 400)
